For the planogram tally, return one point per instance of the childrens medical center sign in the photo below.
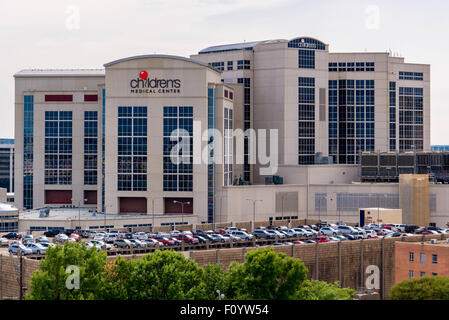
(145, 84)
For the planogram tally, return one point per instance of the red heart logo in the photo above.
(143, 75)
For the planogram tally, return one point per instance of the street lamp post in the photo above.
(182, 208)
(79, 212)
(254, 211)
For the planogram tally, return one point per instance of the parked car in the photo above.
(123, 243)
(15, 248)
(411, 228)
(42, 239)
(221, 231)
(138, 243)
(201, 239)
(371, 226)
(298, 242)
(187, 238)
(309, 241)
(386, 226)
(340, 237)
(334, 239)
(165, 241)
(345, 229)
(328, 231)
(321, 239)
(231, 237)
(110, 238)
(243, 235)
(151, 242)
(61, 238)
(348, 236)
(358, 235)
(4, 242)
(47, 245)
(52, 233)
(68, 232)
(28, 238)
(219, 238)
(429, 232)
(385, 231)
(36, 247)
(398, 227)
(230, 229)
(263, 234)
(140, 236)
(99, 244)
(75, 236)
(12, 235)
(303, 232)
(370, 233)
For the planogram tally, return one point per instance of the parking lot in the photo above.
(117, 242)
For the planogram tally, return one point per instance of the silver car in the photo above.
(36, 247)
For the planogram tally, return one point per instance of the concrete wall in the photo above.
(345, 261)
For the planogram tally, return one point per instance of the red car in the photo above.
(186, 238)
(220, 231)
(75, 236)
(164, 241)
(321, 239)
(387, 226)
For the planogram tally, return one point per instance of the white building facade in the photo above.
(103, 138)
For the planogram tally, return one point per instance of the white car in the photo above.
(371, 233)
(15, 248)
(137, 243)
(328, 231)
(99, 237)
(346, 229)
(4, 242)
(231, 229)
(290, 232)
(398, 227)
(36, 247)
(100, 244)
(61, 238)
(47, 244)
(371, 226)
(386, 231)
(359, 235)
(242, 235)
(140, 236)
(303, 232)
(42, 239)
(111, 237)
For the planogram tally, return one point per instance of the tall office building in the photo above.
(7, 164)
(335, 104)
(107, 138)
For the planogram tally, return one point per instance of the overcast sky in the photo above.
(89, 33)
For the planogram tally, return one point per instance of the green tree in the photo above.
(265, 274)
(49, 283)
(425, 288)
(162, 275)
(321, 290)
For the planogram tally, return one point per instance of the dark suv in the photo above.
(52, 233)
(13, 235)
